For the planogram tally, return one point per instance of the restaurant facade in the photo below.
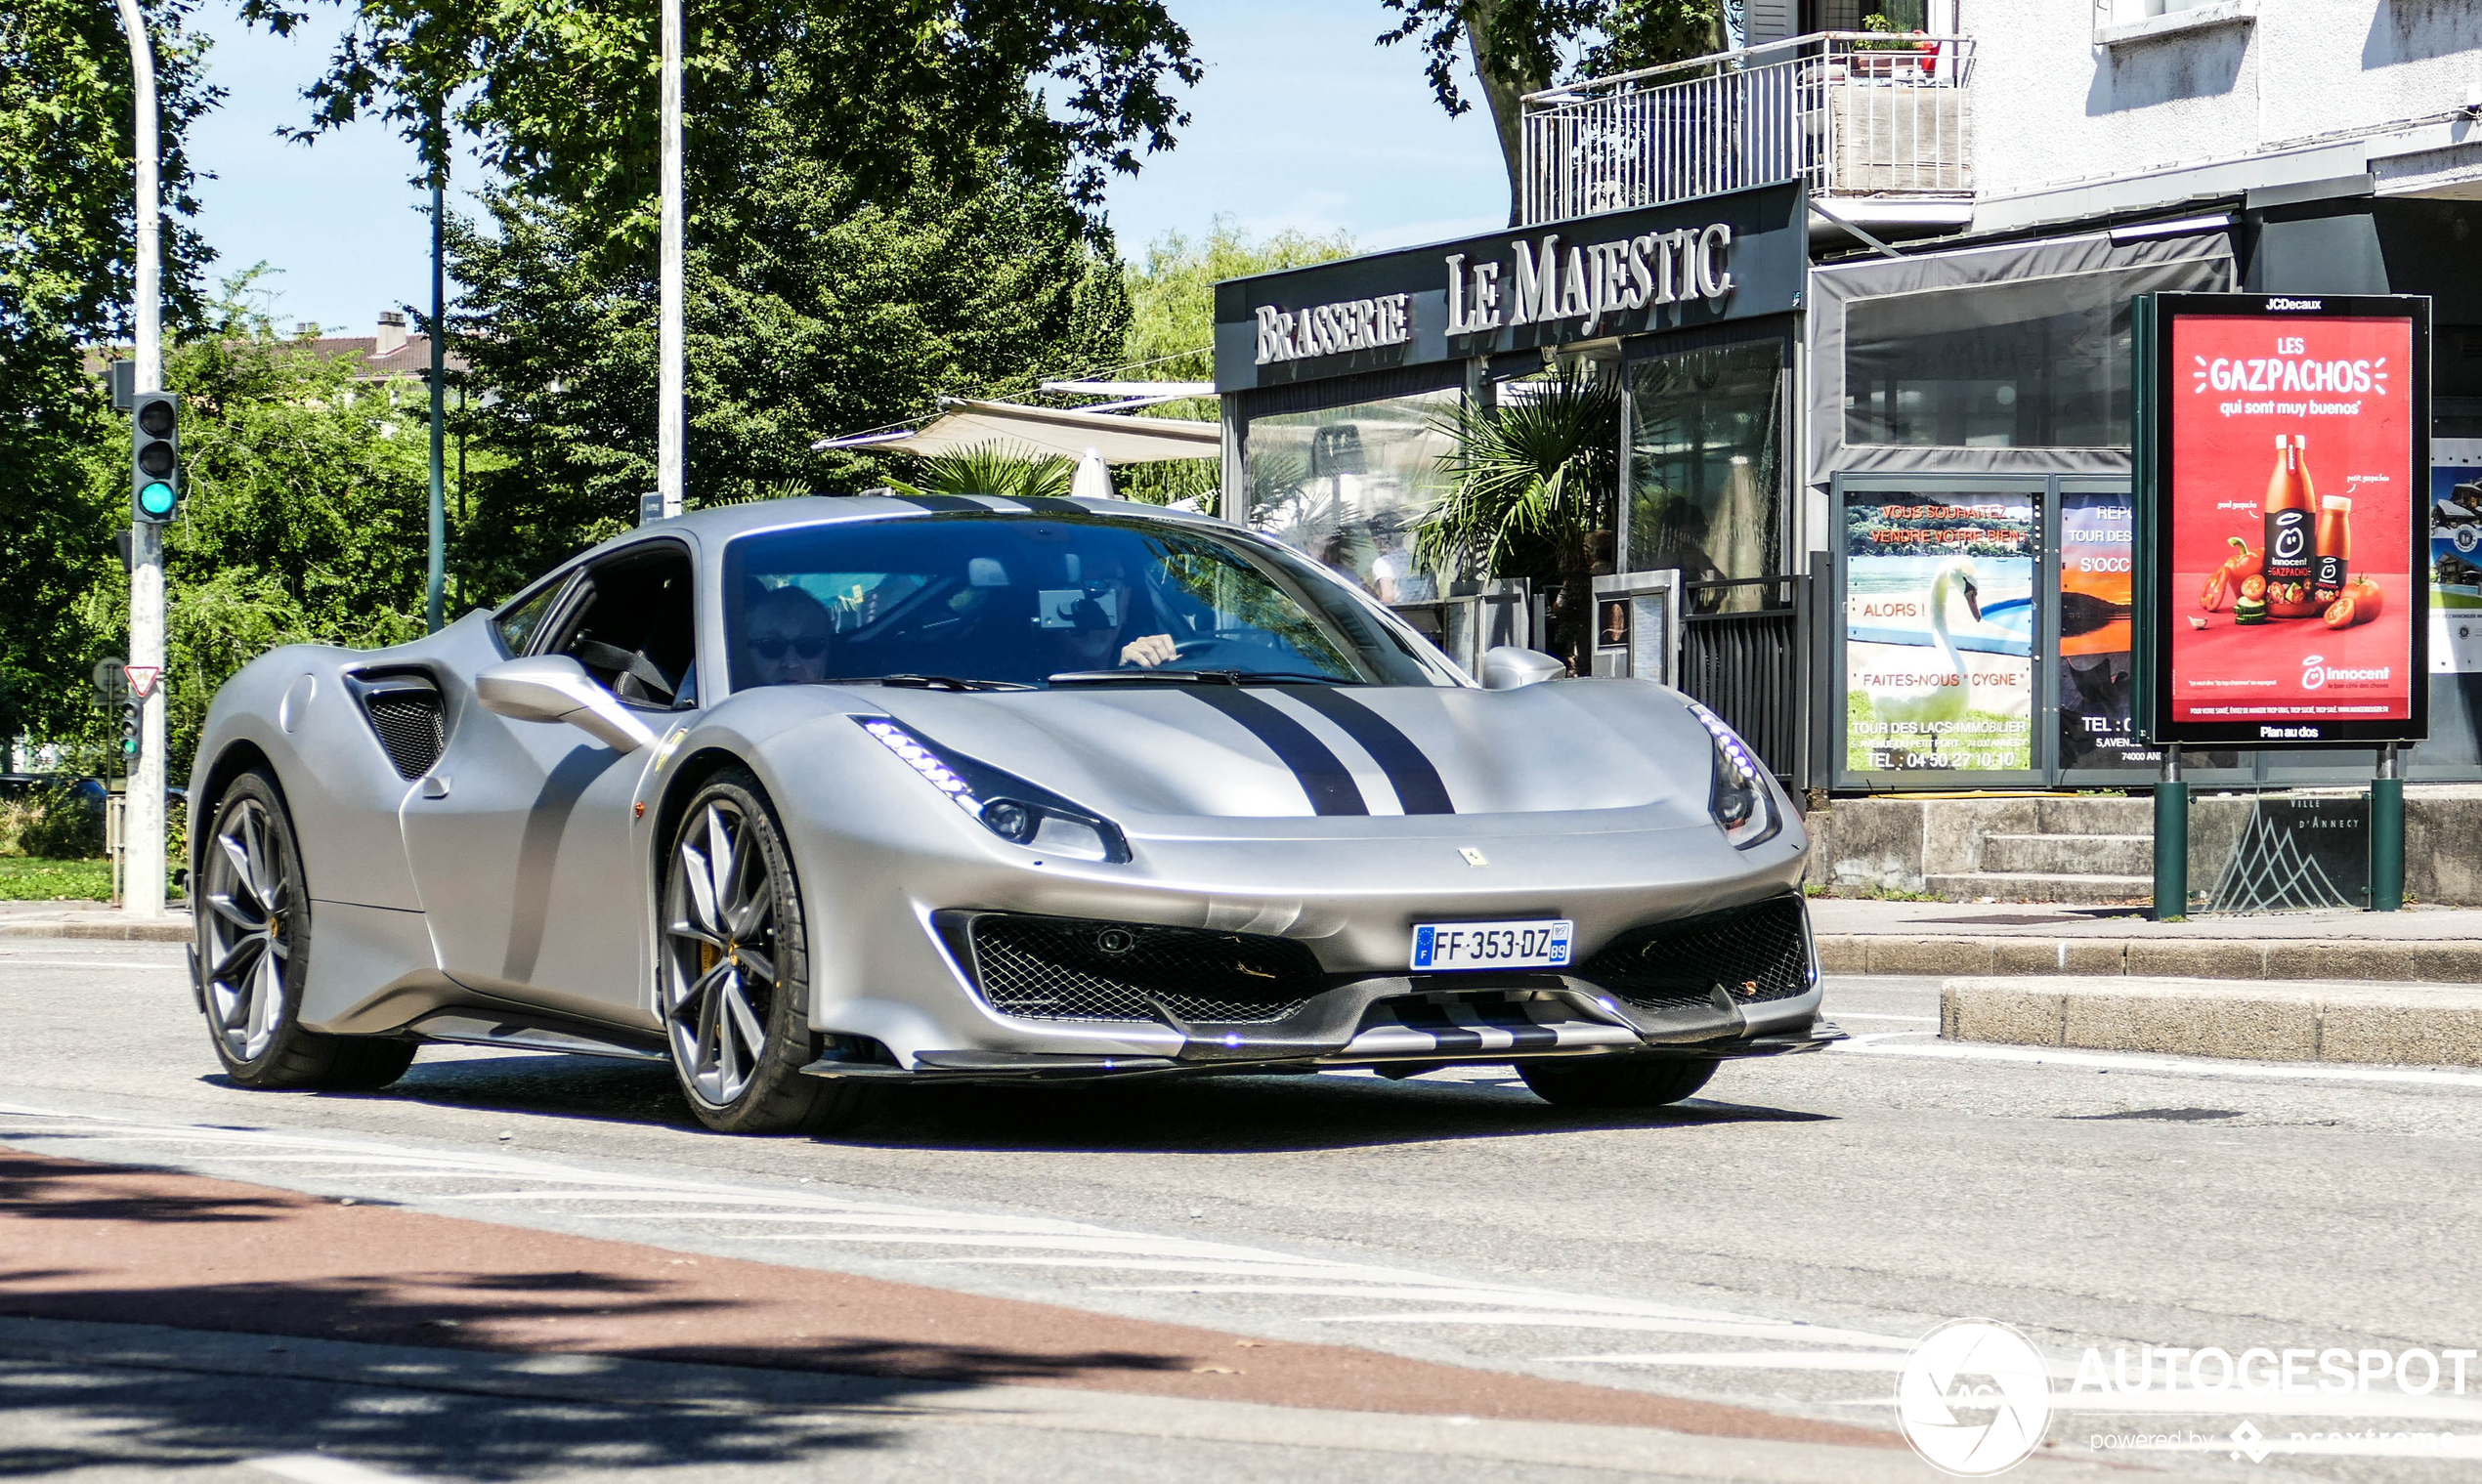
(1890, 479)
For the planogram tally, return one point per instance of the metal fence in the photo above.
(1851, 112)
(1743, 652)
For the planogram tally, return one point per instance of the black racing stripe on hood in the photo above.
(1418, 784)
(1322, 775)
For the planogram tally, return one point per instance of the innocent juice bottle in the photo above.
(2289, 553)
(2334, 547)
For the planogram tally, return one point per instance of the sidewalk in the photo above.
(92, 919)
(2421, 945)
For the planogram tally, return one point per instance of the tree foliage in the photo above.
(815, 307)
(1530, 494)
(562, 94)
(66, 272)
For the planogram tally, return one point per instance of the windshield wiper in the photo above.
(1192, 677)
(932, 683)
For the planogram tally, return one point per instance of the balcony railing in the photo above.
(1851, 112)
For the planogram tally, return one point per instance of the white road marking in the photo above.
(319, 1468)
(7, 961)
(1750, 1360)
(1879, 1044)
(1924, 1020)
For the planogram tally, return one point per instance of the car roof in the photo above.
(725, 522)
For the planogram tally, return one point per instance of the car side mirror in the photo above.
(557, 688)
(1506, 667)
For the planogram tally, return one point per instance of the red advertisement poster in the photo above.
(2292, 495)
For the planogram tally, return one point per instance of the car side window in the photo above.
(518, 621)
(634, 626)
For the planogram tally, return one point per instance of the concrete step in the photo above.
(2028, 886)
(2070, 855)
(2086, 814)
(2427, 1025)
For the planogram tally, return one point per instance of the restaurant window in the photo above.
(1347, 486)
(1705, 462)
(2020, 364)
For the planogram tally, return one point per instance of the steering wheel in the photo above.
(1191, 648)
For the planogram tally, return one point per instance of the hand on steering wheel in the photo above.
(1149, 651)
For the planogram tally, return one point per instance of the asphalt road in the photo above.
(1778, 1243)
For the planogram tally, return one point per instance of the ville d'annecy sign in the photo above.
(1622, 273)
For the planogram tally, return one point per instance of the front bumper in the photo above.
(1737, 982)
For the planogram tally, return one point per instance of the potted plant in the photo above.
(1891, 53)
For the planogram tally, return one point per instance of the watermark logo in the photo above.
(1974, 1398)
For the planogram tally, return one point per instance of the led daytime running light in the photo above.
(1727, 740)
(924, 761)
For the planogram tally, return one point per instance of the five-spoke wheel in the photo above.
(736, 970)
(253, 950)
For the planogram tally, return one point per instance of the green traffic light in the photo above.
(156, 499)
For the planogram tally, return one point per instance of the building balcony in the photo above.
(1884, 122)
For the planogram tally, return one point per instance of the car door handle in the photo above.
(436, 787)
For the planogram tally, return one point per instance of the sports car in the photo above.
(817, 796)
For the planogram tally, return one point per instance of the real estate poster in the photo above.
(2291, 491)
(1939, 633)
(2097, 567)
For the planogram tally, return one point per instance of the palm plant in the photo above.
(1529, 487)
(992, 468)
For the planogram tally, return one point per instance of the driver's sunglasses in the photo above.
(808, 646)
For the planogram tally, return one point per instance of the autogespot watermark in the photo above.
(1976, 1398)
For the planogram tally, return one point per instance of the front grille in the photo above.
(409, 718)
(1072, 969)
(1755, 954)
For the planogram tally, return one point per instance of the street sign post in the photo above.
(2283, 456)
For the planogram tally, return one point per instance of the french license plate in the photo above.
(1535, 944)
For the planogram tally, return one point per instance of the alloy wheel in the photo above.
(248, 943)
(720, 974)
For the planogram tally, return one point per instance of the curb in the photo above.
(175, 928)
(2393, 961)
(2263, 1020)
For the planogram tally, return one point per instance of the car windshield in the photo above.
(997, 599)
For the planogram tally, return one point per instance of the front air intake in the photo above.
(1753, 953)
(1075, 968)
(409, 717)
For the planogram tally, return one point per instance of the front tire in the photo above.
(254, 939)
(736, 972)
(1614, 1081)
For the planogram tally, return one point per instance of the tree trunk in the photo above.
(1574, 615)
(1506, 80)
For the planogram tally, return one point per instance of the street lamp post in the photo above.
(669, 427)
(144, 834)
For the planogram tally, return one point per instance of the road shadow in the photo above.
(104, 1418)
(1242, 1113)
(33, 1188)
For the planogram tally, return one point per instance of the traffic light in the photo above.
(133, 722)
(154, 490)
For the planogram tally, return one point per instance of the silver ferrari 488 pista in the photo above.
(814, 797)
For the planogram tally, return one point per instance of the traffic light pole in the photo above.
(143, 838)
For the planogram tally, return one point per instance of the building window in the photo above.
(2039, 363)
(1346, 485)
(1706, 461)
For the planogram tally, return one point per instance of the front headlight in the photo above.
(1743, 805)
(1010, 807)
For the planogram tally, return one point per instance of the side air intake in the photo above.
(409, 717)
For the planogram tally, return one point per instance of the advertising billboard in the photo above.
(1938, 632)
(2286, 471)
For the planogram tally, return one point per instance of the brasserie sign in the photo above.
(1622, 273)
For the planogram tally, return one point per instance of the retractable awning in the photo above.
(1069, 434)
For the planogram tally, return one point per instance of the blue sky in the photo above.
(1302, 121)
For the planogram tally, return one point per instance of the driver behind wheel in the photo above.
(1083, 625)
(787, 634)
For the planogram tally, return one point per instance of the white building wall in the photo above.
(2054, 104)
